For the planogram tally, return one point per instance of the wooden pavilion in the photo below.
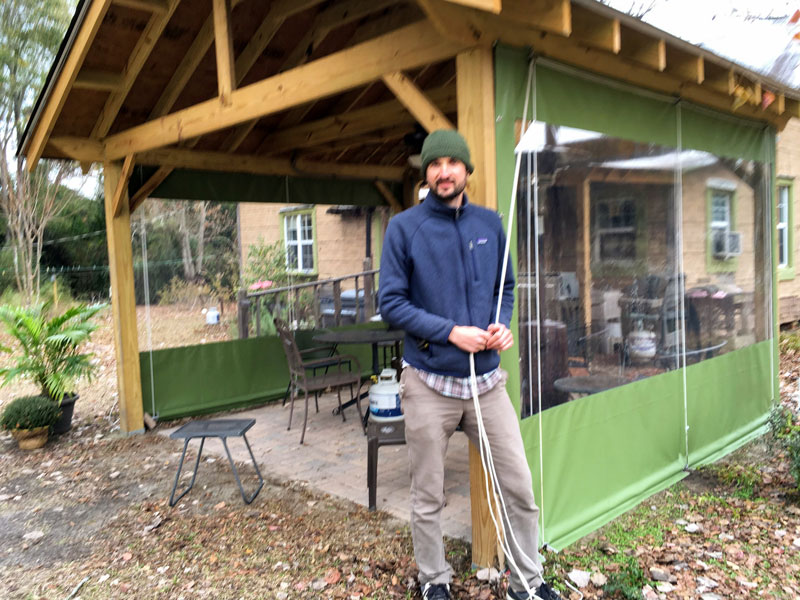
(325, 89)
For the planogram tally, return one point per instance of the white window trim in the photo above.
(302, 245)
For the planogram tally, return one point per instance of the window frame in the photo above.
(785, 271)
(729, 187)
(287, 215)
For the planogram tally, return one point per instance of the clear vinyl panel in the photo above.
(598, 283)
(726, 257)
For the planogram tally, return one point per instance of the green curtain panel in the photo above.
(207, 378)
(601, 454)
(187, 184)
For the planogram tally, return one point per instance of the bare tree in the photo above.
(30, 31)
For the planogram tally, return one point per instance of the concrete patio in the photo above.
(333, 459)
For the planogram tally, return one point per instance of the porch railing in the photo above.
(309, 305)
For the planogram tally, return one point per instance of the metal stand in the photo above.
(222, 429)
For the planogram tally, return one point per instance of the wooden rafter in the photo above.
(223, 46)
(405, 48)
(595, 30)
(387, 194)
(120, 194)
(340, 127)
(138, 57)
(685, 65)
(66, 77)
(153, 6)
(644, 49)
(340, 13)
(418, 104)
(98, 79)
(488, 5)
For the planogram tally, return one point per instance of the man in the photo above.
(440, 282)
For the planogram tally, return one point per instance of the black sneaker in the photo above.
(543, 592)
(436, 591)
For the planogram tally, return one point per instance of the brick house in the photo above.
(786, 199)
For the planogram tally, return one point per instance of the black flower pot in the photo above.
(64, 423)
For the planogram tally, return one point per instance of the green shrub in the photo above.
(786, 436)
(627, 583)
(29, 412)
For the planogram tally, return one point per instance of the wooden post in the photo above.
(123, 303)
(475, 90)
(585, 256)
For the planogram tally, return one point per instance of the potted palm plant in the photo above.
(48, 351)
(29, 419)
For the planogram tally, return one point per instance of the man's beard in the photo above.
(457, 189)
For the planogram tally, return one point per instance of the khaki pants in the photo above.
(430, 420)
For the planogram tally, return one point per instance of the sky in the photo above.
(727, 27)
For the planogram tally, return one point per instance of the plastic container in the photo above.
(212, 316)
(384, 398)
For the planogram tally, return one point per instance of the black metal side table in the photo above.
(222, 429)
(385, 433)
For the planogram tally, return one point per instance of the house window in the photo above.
(784, 228)
(724, 243)
(298, 235)
(615, 230)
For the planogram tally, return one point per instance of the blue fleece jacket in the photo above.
(440, 268)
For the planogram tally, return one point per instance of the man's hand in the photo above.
(468, 338)
(501, 337)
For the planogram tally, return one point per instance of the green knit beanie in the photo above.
(445, 143)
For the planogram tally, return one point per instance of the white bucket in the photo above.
(384, 398)
(642, 345)
(212, 316)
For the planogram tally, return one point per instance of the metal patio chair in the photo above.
(347, 373)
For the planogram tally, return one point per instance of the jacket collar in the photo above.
(433, 204)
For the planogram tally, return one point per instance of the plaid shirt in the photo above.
(457, 387)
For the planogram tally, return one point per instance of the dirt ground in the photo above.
(87, 517)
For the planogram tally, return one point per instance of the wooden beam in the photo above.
(97, 79)
(354, 123)
(476, 122)
(720, 80)
(149, 186)
(595, 30)
(223, 46)
(64, 79)
(644, 49)
(405, 48)
(489, 5)
(389, 197)
(177, 158)
(475, 89)
(123, 304)
(75, 148)
(337, 15)
(424, 111)
(153, 6)
(136, 60)
(684, 65)
(553, 16)
(121, 191)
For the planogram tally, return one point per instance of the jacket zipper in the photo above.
(463, 262)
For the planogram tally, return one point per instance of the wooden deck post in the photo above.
(475, 92)
(123, 302)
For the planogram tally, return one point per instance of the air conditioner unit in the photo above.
(726, 244)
